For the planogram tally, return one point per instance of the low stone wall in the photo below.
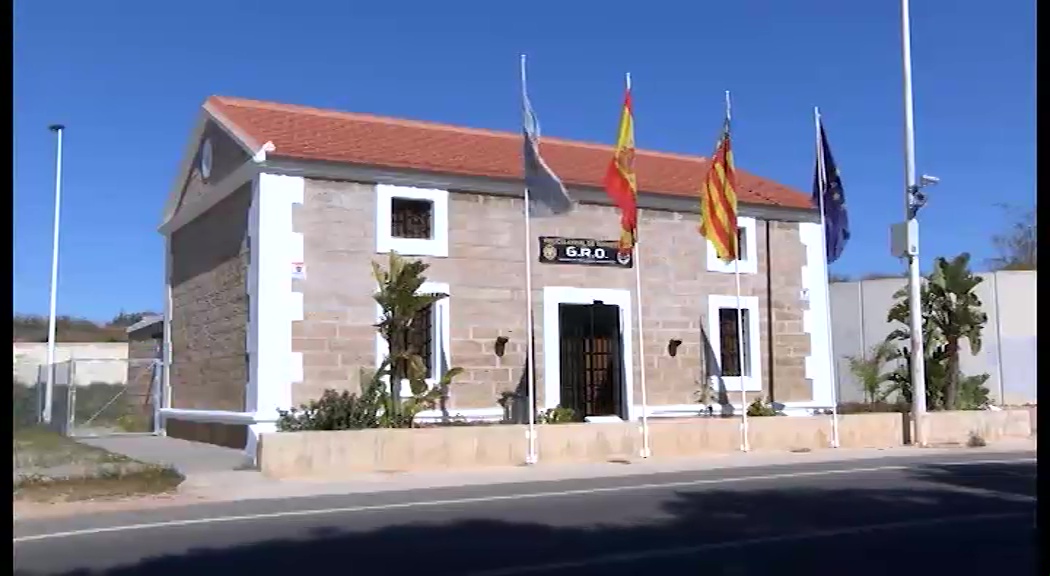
(957, 427)
(344, 453)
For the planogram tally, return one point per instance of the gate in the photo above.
(107, 397)
(591, 355)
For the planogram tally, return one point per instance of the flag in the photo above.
(718, 200)
(547, 194)
(828, 193)
(620, 182)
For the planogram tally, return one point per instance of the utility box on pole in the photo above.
(904, 239)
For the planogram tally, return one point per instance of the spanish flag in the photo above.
(620, 181)
(718, 200)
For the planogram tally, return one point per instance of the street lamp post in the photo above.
(906, 236)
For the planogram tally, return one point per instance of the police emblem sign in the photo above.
(586, 251)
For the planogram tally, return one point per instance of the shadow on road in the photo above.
(1001, 478)
(471, 539)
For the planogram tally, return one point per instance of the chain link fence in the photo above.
(93, 397)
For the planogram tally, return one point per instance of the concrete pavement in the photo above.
(187, 457)
(964, 512)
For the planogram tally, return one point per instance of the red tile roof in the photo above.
(314, 134)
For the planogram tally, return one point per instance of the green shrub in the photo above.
(336, 410)
(332, 411)
(761, 407)
(873, 407)
(973, 394)
(558, 415)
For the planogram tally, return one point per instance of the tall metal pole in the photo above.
(822, 178)
(50, 385)
(745, 443)
(918, 355)
(646, 449)
(532, 453)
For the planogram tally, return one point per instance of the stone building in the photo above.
(279, 210)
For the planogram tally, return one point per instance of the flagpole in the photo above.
(822, 176)
(531, 457)
(646, 452)
(745, 446)
(49, 386)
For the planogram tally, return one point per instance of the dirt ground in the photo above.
(50, 467)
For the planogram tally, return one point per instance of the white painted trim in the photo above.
(803, 408)
(442, 319)
(167, 352)
(752, 383)
(554, 295)
(216, 194)
(494, 414)
(217, 416)
(146, 322)
(185, 166)
(272, 365)
(207, 114)
(437, 246)
(748, 265)
(249, 144)
(820, 369)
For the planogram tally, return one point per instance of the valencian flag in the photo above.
(718, 200)
(829, 196)
(620, 182)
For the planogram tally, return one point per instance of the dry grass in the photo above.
(107, 485)
(36, 448)
(52, 468)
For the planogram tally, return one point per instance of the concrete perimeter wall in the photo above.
(96, 362)
(1008, 354)
(344, 453)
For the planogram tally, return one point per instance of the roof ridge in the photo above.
(430, 125)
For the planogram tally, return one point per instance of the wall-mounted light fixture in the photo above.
(672, 346)
(501, 346)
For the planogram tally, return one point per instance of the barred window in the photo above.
(729, 333)
(411, 218)
(421, 338)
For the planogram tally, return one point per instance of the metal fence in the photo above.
(85, 406)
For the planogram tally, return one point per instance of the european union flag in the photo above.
(547, 194)
(829, 196)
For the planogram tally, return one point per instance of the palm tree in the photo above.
(951, 312)
(956, 314)
(868, 369)
(401, 302)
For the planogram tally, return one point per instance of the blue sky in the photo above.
(127, 79)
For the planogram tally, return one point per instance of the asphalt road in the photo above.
(958, 514)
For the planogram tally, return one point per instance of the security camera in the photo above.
(928, 180)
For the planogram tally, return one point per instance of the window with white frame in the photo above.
(734, 336)
(428, 336)
(748, 243)
(411, 221)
